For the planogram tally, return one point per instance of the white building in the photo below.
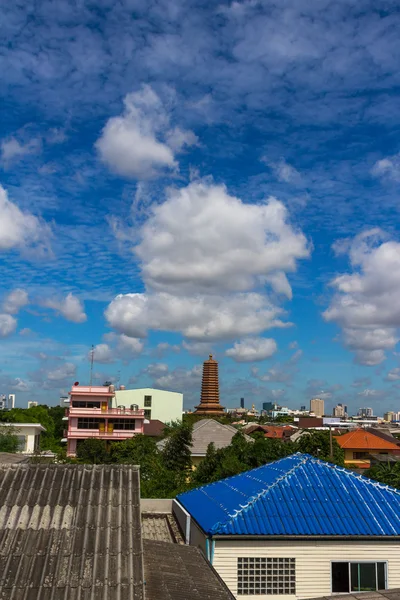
(28, 435)
(157, 404)
(317, 406)
(298, 527)
(32, 403)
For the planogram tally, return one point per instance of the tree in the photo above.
(176, 455)
(317, 443)
(387, 473)
(92, 451)
(9, 441)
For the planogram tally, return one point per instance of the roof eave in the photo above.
(386, 538)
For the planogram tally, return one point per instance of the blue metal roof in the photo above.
(297, 495)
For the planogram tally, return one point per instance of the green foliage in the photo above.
(317, 444)
(49, 417)
(387, 473)
(176, 456)
(8, 439)
(92, 451)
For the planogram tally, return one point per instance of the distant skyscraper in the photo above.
(268, 406)
(365, 412)
(303, 408)
(317, 407)
(209, 402)
(241, 402)
(339, 411)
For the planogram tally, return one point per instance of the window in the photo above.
(88, 423)
(358, 577)
(123, 424)
(147, 401)
(85, 404)
(360, 455)
(147, 414)
(257, 576)
(22, 439)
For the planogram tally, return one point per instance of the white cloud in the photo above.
(20, 229)
(198, 348)
(65, 371)
(252, 349)
(205, 272)
(180, 379)
(393, 375)
(71, 308)
(218, 242)
(388, 168)
(293, 345)
(12, 150)
(365, 302)
(284, 172)
(140, 142)
(7, 325)
(198, 318)
(14, 301)
(122, 348)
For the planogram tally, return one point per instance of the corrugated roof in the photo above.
(393, 594)
(69, 532)
(361, 439)
(297, 495)
(176, 572)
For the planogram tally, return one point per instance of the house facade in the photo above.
(358, 445)
(157, 404)
(298, 527)
(92, 413)
(28, 435)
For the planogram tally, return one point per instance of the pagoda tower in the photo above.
(209, 402)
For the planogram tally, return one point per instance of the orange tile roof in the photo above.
(360, 439)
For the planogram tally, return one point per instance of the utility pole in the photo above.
(330, 443)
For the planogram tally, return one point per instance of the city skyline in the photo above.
(167, 193)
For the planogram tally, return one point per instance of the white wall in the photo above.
(29, 432)
(313, 561)
(165, 406)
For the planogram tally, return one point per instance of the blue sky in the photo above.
(179, 178)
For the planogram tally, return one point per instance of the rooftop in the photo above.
(298, 495)
(361, 439)
(378, 595)
(206, 431)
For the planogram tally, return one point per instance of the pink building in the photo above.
(91, 415)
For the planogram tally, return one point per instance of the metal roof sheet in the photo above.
(296, 496)
(361, 439)
(70, 531)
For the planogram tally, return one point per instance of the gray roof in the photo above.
(206, 431)
(69, 532)
(161, 528)
(380, 595)
(8, 458)
(185, 574)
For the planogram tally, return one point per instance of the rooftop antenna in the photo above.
(91, 364)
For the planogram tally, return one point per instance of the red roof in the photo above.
(360, 439)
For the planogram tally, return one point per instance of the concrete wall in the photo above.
(313, 561)
(165, 406)
(156, 505)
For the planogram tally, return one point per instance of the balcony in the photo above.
(109, 412)
(83, 434)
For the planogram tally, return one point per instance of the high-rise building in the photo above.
(32, 403)
(339, 411)
(389, 416)
(317, 407)
(209, 401)
(241, 402)
(269, 406)
(365, 412)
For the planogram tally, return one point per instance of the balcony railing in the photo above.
(122, 434)
(109, 412)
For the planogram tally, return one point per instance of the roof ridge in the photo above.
(264, 492)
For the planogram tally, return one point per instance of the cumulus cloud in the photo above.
(218, 242)
(7, 325)
(388, 168)
(252, 349)
(64, 371)
(120, 347)
(20, 229)
(365, 301)
(205, 273)
(14, 301)
(11, 150)
(70, 307)
(140, 142)
(393, 374)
